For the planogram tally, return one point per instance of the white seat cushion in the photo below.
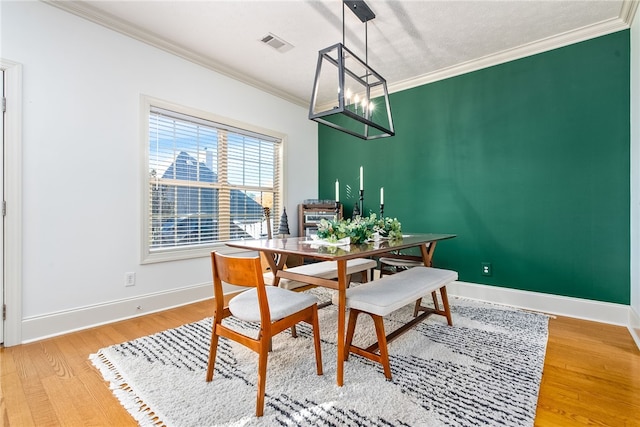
(282, 303)
(324, 269)
(390, 293)
(399, 262)
(329, 269)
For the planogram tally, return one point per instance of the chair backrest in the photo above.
(240, 271)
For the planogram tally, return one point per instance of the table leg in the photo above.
(275, 267)
(427, 258)
(342, 302)
(427, 253)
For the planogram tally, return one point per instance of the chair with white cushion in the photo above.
(276, 309)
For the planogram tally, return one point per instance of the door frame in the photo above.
(12, 180)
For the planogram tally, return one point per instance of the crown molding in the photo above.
(628, 11)
(85, 10)
(539, 46)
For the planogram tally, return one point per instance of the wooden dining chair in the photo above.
(276, 309)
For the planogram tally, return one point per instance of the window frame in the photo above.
(175, 253)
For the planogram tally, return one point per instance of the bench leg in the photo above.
(351, 328)
(381, 345)
(436, 305)
(416, 309)
(445, 311)
(445, 303)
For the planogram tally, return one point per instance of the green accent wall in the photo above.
(528, 162)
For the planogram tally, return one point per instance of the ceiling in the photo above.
(410, 42)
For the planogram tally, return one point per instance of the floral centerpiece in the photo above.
(389, 227)
(359, 229)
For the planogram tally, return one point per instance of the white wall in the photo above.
(634, 324)
(82, 156)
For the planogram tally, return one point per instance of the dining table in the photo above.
(277, 251)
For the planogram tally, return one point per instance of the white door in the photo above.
(1, 207)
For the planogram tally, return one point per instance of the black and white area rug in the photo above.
(483, 371)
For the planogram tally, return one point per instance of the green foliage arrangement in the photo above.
(359, 229)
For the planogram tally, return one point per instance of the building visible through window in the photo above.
(207, 182)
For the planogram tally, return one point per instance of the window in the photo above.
(207, 182)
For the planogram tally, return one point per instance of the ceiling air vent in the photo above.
(276, 42)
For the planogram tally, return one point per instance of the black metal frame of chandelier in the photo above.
(341, 109)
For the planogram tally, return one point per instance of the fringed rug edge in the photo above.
(125, 393)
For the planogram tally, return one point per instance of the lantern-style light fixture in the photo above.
(348, 95)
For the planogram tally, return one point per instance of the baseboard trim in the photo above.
(634, 326)
(63, 322)
(597, 311)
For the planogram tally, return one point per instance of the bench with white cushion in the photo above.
(325, 270)
(386, 295)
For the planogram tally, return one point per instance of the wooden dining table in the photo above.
(277, 251)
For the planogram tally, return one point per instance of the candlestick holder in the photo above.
(337, 210)
(381, 210)
(361, 202)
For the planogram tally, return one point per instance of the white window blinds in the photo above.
(208, 182)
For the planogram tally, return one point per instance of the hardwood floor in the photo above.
(591, 375)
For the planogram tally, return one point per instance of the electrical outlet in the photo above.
(129, 279)
(486, 268)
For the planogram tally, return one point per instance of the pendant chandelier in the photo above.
(360, 107)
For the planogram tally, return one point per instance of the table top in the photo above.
(313, 249)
